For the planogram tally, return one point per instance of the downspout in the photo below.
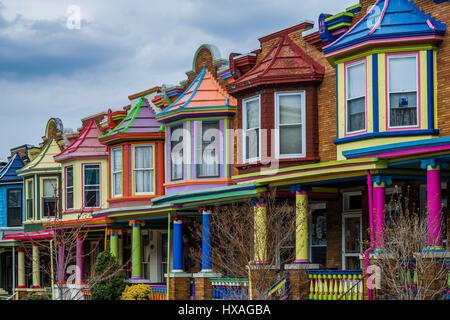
(168, 257)
(366, 253)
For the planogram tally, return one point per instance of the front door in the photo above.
(351, 231)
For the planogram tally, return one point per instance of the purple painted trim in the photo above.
(172, 190)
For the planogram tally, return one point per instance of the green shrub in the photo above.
(38, 296)
(109, 279)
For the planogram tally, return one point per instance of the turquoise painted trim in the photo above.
(430, 86)
(396, 147)
(376, 125)
(390, 134)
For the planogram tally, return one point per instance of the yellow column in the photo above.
(36, 267)
(301, 224)
(260, 230)
(20, 268)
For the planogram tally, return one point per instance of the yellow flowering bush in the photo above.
(136, 292)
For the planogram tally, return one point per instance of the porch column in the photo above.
(79, 261)
(301, 226)
(206, 242)
(177, 245)
(36, 267)
(379, 203)
(61, 273)
(20, 268)
(136, 250)
(260, 229)
(114, 243)
(434, 222)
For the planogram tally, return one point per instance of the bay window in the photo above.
(143, 171)
(91, 185)
(176, 153)
(289, 123)
(69, 188)
(116, 167)
(356, 97)
(251, 129)
(49, 198)
(402, 90)
(208, 149)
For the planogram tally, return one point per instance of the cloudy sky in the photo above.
(122, 47)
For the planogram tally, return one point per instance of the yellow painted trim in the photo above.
(423, 90)
(382, 92)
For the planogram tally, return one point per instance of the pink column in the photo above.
(61, 273)
(80, 261)
(434, 222)
(379, 202)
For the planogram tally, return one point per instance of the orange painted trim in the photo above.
(196, 182)
(133, 198)
(139, 94)
(89, 221)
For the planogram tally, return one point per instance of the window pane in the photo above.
(352, 235)
(356, 113)
(91, 197)
(69, 199)
(291, 139)
(356, 81)
(290, 109)
(49, 207)
(69, 177)
(14, 207)
(252, 114)
(30, 209)
(143, 157)
(91, 174)
(252, 144)
(403, 109)
(117, 160)
(117, 183)
(402, 74)
(177, 153)
(49, 188)
(208, 154)
(144, 181)
(30, 190)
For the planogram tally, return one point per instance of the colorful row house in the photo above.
(331, 118)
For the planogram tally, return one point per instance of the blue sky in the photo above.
(122, 47)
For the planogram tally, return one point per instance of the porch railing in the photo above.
(230, 289)
(408, 275)
(280, 289)
(336, 285)
(159, 291)
(86, 293)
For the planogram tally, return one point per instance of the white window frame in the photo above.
(92, 185)
(28, 218)
(43, 217)
(113, 173)
(244, 128)
(152, 170)
(277, 124)
(354, 98)
(66, 191)
(399, 56)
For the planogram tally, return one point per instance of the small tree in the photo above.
(109, 278)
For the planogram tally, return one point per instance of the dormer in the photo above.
(386, 76)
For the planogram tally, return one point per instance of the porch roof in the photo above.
(45, 234)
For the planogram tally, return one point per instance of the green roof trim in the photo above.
(339, 15)
(358, 5)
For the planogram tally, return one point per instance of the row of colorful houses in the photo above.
(334, 114)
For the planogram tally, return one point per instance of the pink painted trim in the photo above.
(301, 261)
(354, 26)
(366, 253)
(300, 192)
(261, 205)
(383, 40)
(419, 118)
(375, 27)
(407, 152)
(430, 25)
(338, 32)
(345, 96)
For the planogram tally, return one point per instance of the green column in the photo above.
(136, 267)
(114, 243)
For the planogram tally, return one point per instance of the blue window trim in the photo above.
(389, 134)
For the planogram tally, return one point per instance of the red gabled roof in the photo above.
(285, 62)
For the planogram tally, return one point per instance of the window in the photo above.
(91, 185)
(402, 91)
(356, 97)
(289, 113)
(48, 198)
(176, 152)
(251, 126)
(69, 188)
(29, 200)
(116, 172)
(143, 169)
(14, 207)
(208, 149)
(318, 234)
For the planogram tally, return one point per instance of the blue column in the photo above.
(206, 242)
(177, 246)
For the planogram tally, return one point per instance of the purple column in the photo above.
(79, 261)
(434, 222)
(61, 273)
(379, 202)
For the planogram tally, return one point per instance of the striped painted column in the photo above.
(136, 250)
(260, 229)
(379, 203)
(79, 261)
(36, 267)
(20, 268)
(206, 242)
(434, 222)
(301, 226)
